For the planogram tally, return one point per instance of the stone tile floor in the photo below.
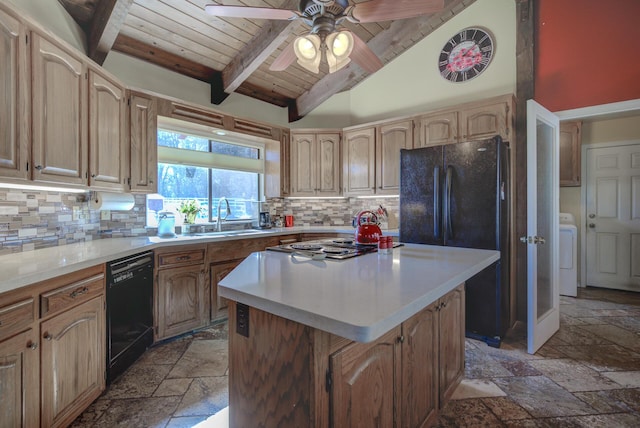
(586, 375)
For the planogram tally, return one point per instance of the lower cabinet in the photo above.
(218, 272)
(72, 361)
(402, 379)
(52, 349)
(182, 300)
(19, 381)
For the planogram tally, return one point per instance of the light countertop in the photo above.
(28, 267)
(359, 298)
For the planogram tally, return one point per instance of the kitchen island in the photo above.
(377, 340)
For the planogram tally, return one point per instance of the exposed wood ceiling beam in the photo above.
(181, 65)
(107, 20)
(270, 37)
(383, 45)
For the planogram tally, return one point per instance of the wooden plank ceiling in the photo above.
(234, 54)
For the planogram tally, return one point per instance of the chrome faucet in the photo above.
(219, 219)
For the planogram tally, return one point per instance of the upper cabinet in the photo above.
(143, 134)
(390, 139)
(59, 119)
(315, 164)
(65, 117)
(570, 146)
(436, 129)
(14, 98)
(108, 145)
(467, 122)
(371, 159)
(359, 161)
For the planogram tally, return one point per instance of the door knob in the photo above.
(592, 216)
(592, 225)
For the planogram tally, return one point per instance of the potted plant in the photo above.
(190, 209)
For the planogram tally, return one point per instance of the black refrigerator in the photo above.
(457, 195)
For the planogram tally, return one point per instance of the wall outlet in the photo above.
(76, 213)
(105, 215)
(242, 319)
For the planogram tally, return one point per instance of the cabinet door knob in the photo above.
(47, 336)
(32, 345)
(93, 176)
(592, 225)
(38, 167)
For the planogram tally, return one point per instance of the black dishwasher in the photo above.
(129, 311)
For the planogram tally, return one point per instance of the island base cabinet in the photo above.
(364, 387)
(270, 372)
(19, 383)
(72, 362)
(283, 373)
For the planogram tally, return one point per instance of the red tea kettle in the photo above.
(368, 233)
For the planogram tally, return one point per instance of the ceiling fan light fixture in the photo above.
(339, 47)
(307, 49)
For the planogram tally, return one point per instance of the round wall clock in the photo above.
(466, 55)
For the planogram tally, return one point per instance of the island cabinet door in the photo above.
(419, 403)
(451, 339)
(365, 383)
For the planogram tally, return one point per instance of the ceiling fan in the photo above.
(325, 38)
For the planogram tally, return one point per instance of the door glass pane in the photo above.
(545, 134)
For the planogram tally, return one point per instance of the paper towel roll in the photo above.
(111, 201)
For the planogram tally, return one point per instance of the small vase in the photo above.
(190, 218)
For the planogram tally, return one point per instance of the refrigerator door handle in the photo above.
(436, 202)
(447, 204)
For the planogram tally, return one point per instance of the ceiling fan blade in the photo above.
(249, 12)
(364, 56)
(284, 60)
(388, 10)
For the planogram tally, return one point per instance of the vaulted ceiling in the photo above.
(234, 54)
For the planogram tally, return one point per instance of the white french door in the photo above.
(543, 291)
(613, 217)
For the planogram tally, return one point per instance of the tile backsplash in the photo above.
(31, 220)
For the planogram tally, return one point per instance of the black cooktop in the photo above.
(336, 248)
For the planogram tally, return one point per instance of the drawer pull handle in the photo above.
(79, 292)
(32, 345)
(47, 336)
(183, 258)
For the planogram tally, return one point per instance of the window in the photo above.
(196, 164)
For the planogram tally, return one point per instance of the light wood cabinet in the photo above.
(451, 321)
(391, 138)
(52, 349)
(108, 146)
(467, 122)
(365, 386)
(14, 98)
(371, 161)
(19, 381)
(486, 120)
(143, 135)
(219, 304)
(359, 162)
(314, 378)
(315, 164)
(59, 113)
(570, 153)
(73, 361)
(419, 406)
(181, 290)
(437, 129)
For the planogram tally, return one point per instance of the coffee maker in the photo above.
(264, 220)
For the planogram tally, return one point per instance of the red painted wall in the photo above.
(587, 52)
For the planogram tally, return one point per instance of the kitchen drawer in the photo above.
(241, 248)
(15, 317)
(70, 295)
(181, 258)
